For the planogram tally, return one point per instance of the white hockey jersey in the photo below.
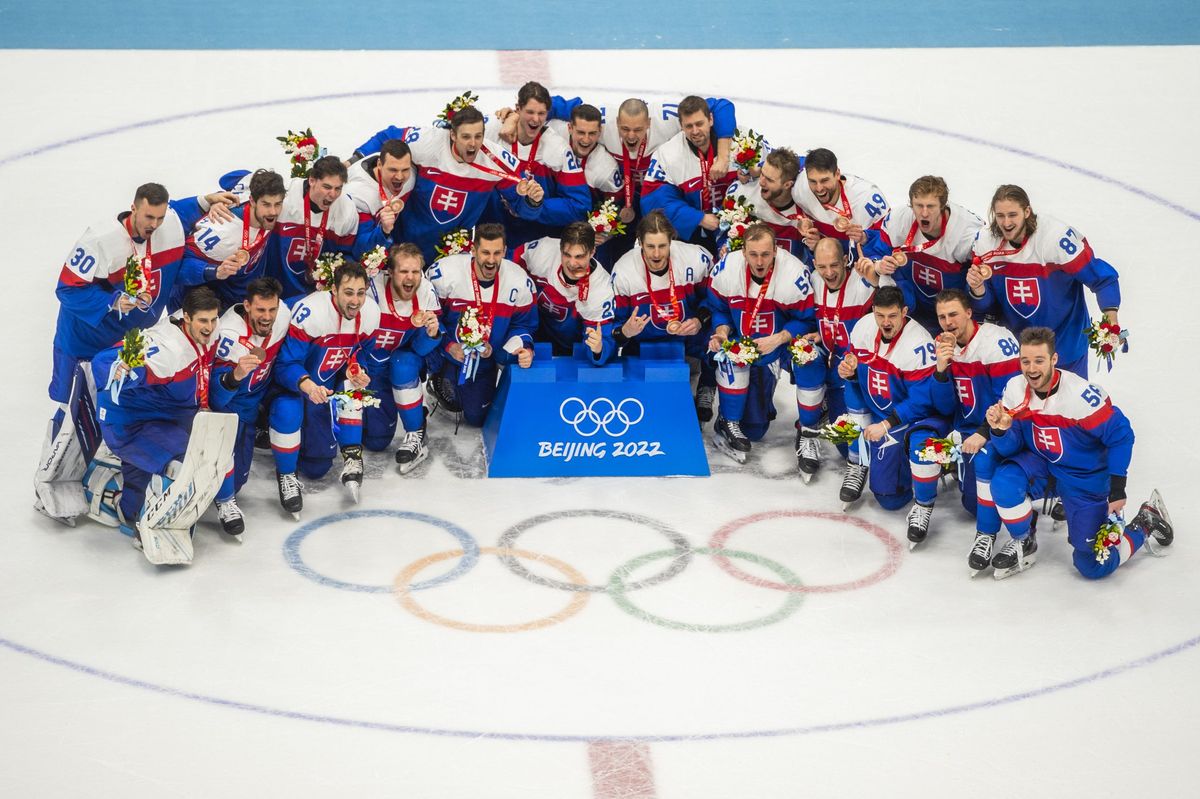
(859, 199)
(938, 264)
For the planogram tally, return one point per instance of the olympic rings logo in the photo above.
(619, 584)
(601, 414)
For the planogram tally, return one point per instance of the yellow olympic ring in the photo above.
(403, 580)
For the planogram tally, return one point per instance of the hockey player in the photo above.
(380, 186)
(249, 337)
(974, 362)
(927, 244)
(317, 218)
(762, 293)
(841, 297)
(228, 256)
(682, 179)
(546, 157)
(887, 374)
(844, 207)
(147, 413)
(770, 197)
(1053, 423)
(602, 174)
(409, 330)
(500, 295)
(95, 311)
(574, 294)
(457, 171)
(659, 288)
(1033, 270)
(327, 332)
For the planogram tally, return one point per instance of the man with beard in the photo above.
(844, 207)
(974, 362)
(887, 374)
(317, 218)
(228, 256)
(409, 330)
(327, 332)
(457, 172)
(1033, 269)
(249, 337)
(379, 186)
(761, 293)
(496, 297)
(1053, 423)
(574, 294)
(927, 244)
(770, 198)
(685, 179)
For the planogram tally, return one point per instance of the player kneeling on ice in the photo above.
(1051, 423)
(409, 330)
(761, 299)
(888, 372)
(974, 362)
(154, 416)
(249, 337)
(327, 333)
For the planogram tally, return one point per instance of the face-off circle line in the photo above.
(721, 536)
(682, 549)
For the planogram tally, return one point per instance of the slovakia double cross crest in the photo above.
(1023, 294)
(1048, 441)
(879, 388)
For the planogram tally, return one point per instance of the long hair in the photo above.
(1017, 195)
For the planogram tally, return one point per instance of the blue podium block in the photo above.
(564, 417)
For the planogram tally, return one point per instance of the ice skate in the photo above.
(980, 558)
(808, 455)
(230, 516)
(291, 495)
(853, 481)
(918, 524)
(1153, 520)
(412, 450)
(705, 397)
(1016, 556)
(352, 470)
(729, 438)
(443, 393)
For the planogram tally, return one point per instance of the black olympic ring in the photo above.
(682, 549)
(587, 415)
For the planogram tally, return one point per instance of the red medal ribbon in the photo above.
(262, 234)
(629, 166)
(706, 162)
(204, 362)
(912, 234)
(999, 252)
(674, 316)
(416, 305)
(485, 314)
(891, 345)
(837, 311)
(845, 211)
(762, 295)
(1022, 410)
(147, 260)
(310, 257)
(581, 284)
(506, 174)
(527, 163)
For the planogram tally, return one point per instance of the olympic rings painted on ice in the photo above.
(894, 551)
(790, 603)
(682, 552)
(599, 414)
(404, 592)
(291, 549)
(617, 586)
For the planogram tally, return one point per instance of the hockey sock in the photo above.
(987, 519)
(808, 405)
(1017, 518)
(925, 475)
(226, 491)
(408, 406)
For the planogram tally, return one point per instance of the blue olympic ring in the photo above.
(467, 542)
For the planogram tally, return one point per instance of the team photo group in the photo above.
(329, 311)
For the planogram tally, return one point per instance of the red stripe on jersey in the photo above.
(651, 186)
(950, 267)
(452, 181)
(978, 368)
(71, 279)
(299, 333)
(1089, 422)
(570, 178)
(1081, 260)
(875, 361)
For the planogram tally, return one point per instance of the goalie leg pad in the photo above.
(72, 436)
(102, 484)
(196, 480)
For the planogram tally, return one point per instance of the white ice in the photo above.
(120, 680)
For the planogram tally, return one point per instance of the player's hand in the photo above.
(635, 324)
(857, 235)
(626, 214)
(710, 222)
(811, 236)
(533, 191)
(508, 127)
(806, 227)
(973, 443)
(525, 358)
(594, 340)
(359, 379)
(848, 366)
(719, 337)
(814, 338)
(1116, 506)
(866, 267)
(875, 432)
(487, 350)
(317, 394)
(125, 304)
(887, 265)
(219, 204)
(143, 300)
(943, 348)
(601, 238)
(768, 344)
(387, 218)
(743, 177)
(1110, 316)
(720, 165)
(427, 320)
(245, 365)
(977, 275)
(689, 327)
(455, 351)
(998, 418)
(228, 268)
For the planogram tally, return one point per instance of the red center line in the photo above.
(621, 770)
(520, 66)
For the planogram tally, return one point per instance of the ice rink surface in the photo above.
(289, 664)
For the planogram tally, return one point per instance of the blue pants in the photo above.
(926, 476)
(476, 395)
(751, 405)
(145, 449)
(1026, 476)
(890, 475)
(304, 436)
(243, 455)
(62, 373)
(398, 389)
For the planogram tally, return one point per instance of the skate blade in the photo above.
(296, 515)
(1000, 574)
(806, 477)
(725, 449)
(69, 521)
(914, 544)
(405, 468)
(354, 488)
(1156, 501)
(976, 572)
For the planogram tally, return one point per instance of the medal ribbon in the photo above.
(310, 257)
(147, 260)
(505, 175)
(527, 163)
(762, 295)
(485, 314)
(845, 212)
(262, 234)
(629, 167)
(671, 281)
(912, 234)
